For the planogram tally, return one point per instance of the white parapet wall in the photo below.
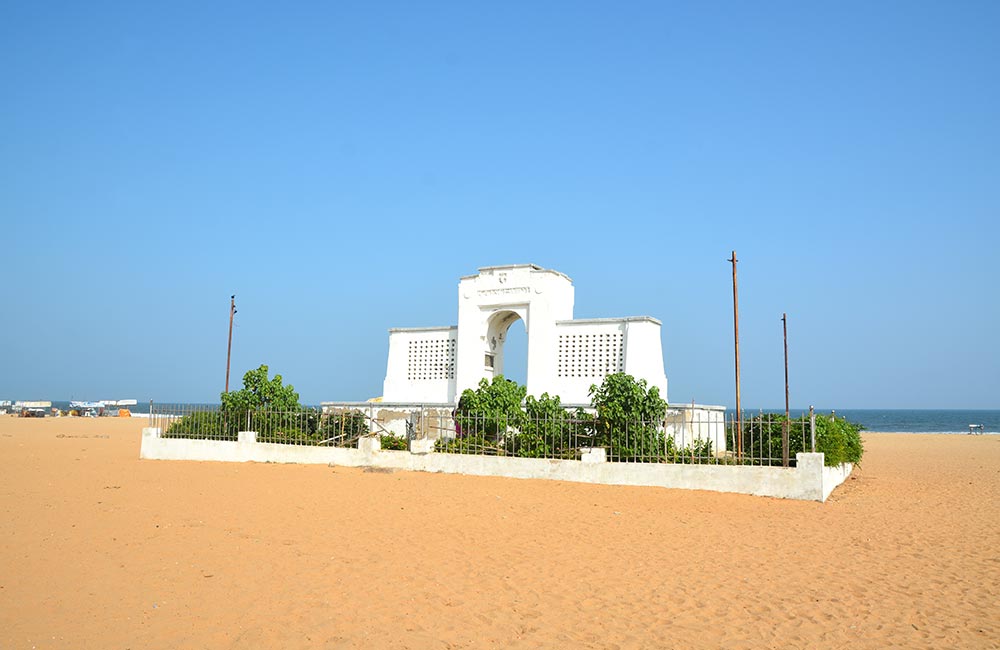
(590, 349)
(809, 480)
(421, 365)
(834, 476)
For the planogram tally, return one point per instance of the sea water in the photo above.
(907, 420)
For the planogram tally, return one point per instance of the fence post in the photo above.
(784, 442)
(411, 425)
(812, 429)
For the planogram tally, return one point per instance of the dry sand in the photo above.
(99, 549)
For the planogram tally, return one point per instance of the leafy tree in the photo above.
(271, 408)
(491, 410)
(630, 419)
(260, 392)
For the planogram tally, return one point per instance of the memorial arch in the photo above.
(565, 356)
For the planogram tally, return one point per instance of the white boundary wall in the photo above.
(808, 481)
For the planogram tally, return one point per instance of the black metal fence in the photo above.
(307, 426)
(695, 436)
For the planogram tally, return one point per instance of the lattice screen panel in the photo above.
(431, 359)
(590, 355)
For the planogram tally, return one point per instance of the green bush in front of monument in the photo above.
(499, 418)
(490, 411)
(549, 430)
(629, 420)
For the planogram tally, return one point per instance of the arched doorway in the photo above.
(507, 341)
(515, 353)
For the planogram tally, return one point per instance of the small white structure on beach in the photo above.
(433, 365)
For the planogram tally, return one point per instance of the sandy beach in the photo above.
(101, 550)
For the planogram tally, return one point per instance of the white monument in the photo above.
(433, 365)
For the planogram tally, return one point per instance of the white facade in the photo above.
(565, 356)
(422, 362)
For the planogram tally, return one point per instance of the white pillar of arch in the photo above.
(490, 301)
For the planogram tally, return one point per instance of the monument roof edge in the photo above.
(626, 319)
(533, 267)
(423, 329)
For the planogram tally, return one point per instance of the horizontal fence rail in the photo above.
(683, 436)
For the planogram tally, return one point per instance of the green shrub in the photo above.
(629, 422)
(837, 439)
(310, 426)
(546, 431)
(469, 445)
(630, 419)
(491, 410)
(285, 427)
(395, 443)
(204, 424)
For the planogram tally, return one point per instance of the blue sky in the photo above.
(338, 166)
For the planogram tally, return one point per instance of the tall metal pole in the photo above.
(229, 349)
(736, 338)
(784, 429)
